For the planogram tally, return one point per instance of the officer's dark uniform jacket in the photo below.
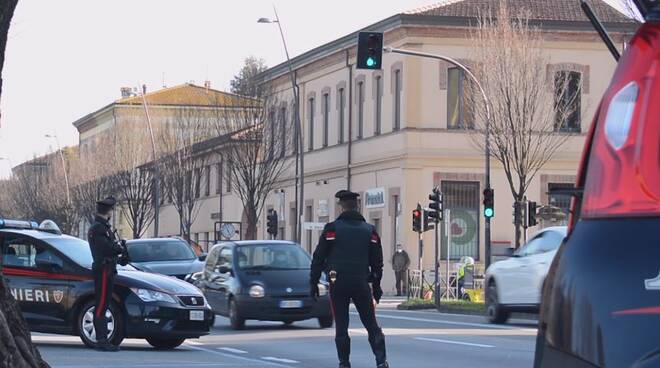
(103, 244)
(351, 247)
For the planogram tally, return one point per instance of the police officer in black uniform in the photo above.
(350, 253)
(106, 250)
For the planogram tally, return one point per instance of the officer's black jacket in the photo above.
(102, 242)
(351, 247)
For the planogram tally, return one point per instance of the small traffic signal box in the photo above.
(531, 214)
(370, 50)
(271, 223)
(435, 206)
(489, 203)
(417, 219)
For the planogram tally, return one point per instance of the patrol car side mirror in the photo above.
(47, 264)
(202, 257)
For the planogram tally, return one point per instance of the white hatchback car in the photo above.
(515, 284)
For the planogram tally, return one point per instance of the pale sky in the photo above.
(67, 58)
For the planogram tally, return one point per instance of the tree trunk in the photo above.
(16, 348)
(251, 228)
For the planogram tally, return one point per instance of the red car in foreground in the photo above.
(601, 300)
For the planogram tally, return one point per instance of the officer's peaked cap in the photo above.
(108, 202)
(346, 194)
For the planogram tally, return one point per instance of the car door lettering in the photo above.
(37, 295)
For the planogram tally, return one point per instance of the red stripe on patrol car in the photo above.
(638, 311)
(8, 271)
(330, 235)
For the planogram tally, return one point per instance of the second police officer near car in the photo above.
(107, 251)
(350, 253)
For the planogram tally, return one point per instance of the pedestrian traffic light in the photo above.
(531, 214)
(271, 223)
(435, 207)
(489, 202)
(370, 50)
(417, 219)
(427, 221)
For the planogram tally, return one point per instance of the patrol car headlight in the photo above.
(147, 295)
(257, 291)
(323, 290)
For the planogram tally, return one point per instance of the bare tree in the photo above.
(534, 110)
(183, 164)
(92, 179)
(261, 138)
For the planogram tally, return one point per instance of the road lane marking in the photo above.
(454, 323)
(194, 342)
(454, 342)
(280, 360)
(238, 357)
(232, 350)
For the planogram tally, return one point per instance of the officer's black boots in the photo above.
(383, 365)
(377, 342)
(343, 351)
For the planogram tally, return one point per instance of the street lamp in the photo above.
(300, 163)
(66, 176)
(157, 168)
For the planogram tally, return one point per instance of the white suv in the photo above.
(515, 284)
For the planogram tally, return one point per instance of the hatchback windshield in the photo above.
(78, 250)
(272, 257)
(160, 251)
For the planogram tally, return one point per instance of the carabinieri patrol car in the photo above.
(50, 276)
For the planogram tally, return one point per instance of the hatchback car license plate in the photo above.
(196, 315)
(291, 304)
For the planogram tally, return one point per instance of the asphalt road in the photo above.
(414, 339)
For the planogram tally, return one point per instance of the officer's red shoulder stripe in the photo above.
(10, 271)
(374, 238)
(330, 235)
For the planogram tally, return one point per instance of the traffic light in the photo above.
(435, 207)
(417, 219)
(370, 50)
(531, 214)
(271, 224)
(427, 223)
(517, 213)
(489, 203)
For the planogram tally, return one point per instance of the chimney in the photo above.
(207, 84)
(126, 92)
(144, 89)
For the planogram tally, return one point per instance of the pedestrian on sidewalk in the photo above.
(400, 264)
(350, 252)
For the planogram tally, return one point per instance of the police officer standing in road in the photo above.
(105, 252)
(350, 253)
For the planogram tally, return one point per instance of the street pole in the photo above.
(300, 199)
(467, 71)
(436, 289)
(156, 166)
(66, 176)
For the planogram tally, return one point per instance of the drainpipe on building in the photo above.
(350, 121)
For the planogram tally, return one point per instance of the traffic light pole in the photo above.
(436, 288)
(488, 118)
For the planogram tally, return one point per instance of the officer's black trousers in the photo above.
(341, 294)
(104, 280)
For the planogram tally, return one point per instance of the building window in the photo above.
(561, 201)
(397, 100)
(229, 175)
(459, 113)
(310, 139)
(461, 198)
(207, 181)
(218, 185)
(360, 109)
(568, 101)
(283, 131)
(271, 134)
(342, 108)
(197, 179)
(326, 118)
(379, 104)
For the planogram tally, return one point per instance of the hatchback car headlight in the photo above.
(323, 290)
(147, 295)
(257, 291)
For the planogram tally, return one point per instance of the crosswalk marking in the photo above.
(232, 350)
(280, 360)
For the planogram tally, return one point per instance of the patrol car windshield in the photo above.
(77, 250)
(159, 251)
(272, 257)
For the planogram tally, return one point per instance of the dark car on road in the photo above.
(262, 280)
(50, 276)
(601, 300)
(167, 256)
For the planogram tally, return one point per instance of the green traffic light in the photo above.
(371, 62)
(488, 212)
